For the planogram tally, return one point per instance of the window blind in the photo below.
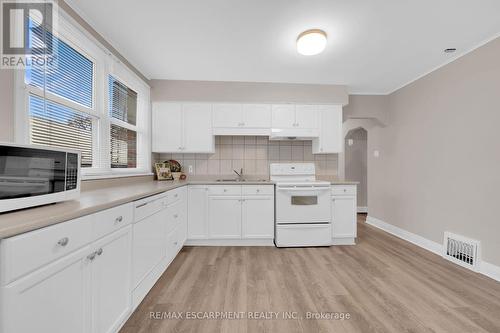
(123, 101)
(58, 123)
(123, 147)
(54, 124)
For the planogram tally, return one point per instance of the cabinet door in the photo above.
(198, 136)
(344, 217)
(306, 116)
(257, 116)
(258, 217)
(227, 115)
(111, 287)
(55, 298)
(330, 136)
(224, 217)
(283, 116)
(197, 212)
(148, 247)
(167, 127)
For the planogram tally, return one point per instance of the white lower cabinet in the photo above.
(219, 213)
(111, 299)
(258, 217)
(224, 217)
(344, 221)
(55, 298)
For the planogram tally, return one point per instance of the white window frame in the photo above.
(105, 64)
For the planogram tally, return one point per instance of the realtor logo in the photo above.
(27, 33)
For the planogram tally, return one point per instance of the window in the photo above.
(123, 113)
(60, 101)
(88, 101)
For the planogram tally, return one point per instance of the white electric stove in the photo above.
(303, 211)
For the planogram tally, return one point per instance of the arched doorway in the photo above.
(356, 163)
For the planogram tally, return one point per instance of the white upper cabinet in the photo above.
(182, 127)
(283, 116)
(167, 127)
(330, 139)
(228, 115)
(198, 135)
(242, 119)
(306, 116)
(257, 116)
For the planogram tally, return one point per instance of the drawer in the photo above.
(258, 190)
(303, 235)
(26, 252)
(175, 215)
(177, 194)
(149, 206)
(344, 190)
(109, 220)
(224, 190)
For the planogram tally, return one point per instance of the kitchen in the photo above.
(247, 177)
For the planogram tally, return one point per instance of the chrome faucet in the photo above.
(240, 174)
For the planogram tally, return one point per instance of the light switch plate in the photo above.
(376, 153)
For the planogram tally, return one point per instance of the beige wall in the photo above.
(6, 105)
(250, 92)
(356, 162)
(439, 164)
(367, 106)
(253, 154)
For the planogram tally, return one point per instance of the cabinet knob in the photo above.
(100, 251)
(176, 216)
(258, 191)
(91, 256)
(63, 241)
(119, 219)
(225, 190)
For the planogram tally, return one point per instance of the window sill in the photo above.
(91, 176)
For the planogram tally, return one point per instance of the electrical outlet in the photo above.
(190, 169)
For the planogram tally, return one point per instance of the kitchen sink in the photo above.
(241, 180)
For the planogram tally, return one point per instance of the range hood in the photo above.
(293, 134)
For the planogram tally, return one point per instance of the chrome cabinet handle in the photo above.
(176, 216)
(176, 195)
(119, 219)
(141, 205)
(91, 256)
(63, 241)
(175, 243)
(100, 251)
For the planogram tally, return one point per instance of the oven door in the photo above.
(303, 204)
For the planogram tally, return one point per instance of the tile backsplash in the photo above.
(253, 154)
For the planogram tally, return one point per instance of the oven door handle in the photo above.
(302, 189)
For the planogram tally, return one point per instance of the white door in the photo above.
(148, 246)
(344, 217)
(224, 217)
(55, 298)
(257, 217)
(167, 127)
(306, 116)
(227, 115)
(197, 212)
(283, 116)
(303, 204)
(257, 115)
(330, 136)
(198, 136)
(111, 284)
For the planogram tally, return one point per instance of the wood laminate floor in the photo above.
(384, 284)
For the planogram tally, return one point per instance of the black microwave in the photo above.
(32, 175)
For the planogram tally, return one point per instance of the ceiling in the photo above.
(374, 46)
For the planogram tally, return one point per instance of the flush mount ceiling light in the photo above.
(311, 42)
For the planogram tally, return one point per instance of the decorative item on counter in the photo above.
(175, 168)
(163, 171)
(183, 176)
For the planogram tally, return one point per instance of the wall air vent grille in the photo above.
(461, 250)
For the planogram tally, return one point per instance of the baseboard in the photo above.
(344, 241)
(230, 242)
(362, 209)
(485, 268)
